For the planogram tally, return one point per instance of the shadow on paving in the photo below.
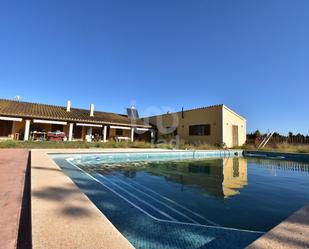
(61, 194)
(44, 168)
(24, 239)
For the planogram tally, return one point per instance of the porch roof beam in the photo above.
(89, 125)
(41, 121)
(121, 127)
(142, 129)
(11, 119)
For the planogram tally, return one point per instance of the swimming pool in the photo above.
(190, 199)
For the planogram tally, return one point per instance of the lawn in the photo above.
(109, 144)
(280, 147)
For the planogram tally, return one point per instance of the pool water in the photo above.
(224, 202)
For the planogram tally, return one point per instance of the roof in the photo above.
(22, 109)
(189, 110)
(201, 108)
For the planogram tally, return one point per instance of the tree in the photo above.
(257, 134)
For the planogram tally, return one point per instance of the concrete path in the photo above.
(13, 165)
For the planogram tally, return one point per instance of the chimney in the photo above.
(68, 106)
(91, 110)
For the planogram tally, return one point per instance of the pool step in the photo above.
(161, 204)
(151, 202)
(199, 218)
(133, 199)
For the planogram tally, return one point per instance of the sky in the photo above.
(162, 55)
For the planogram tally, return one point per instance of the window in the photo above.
(119, 132)
(199, 130)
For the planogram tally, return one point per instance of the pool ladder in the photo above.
(266, 140)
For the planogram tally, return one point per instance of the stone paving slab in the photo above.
(63, 216)
(13, 165)
(291, 233)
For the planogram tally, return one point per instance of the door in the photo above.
(235, 135)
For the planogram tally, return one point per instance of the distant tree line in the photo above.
(291, 138)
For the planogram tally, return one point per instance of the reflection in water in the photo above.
(220, 177)
(223, 177)
(281, 164)
(215, 189)
(217, 177)
(234, 175)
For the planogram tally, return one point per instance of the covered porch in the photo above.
(11, 128)
(19, 128)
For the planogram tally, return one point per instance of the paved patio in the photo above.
(13, 165)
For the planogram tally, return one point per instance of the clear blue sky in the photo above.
(252, 55)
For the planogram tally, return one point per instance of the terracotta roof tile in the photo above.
(34, 110)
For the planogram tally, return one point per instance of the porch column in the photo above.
(104, 133)
(152, 136)
(132, 134)
(27, 130)
(14, 129)
(89, 131)
(70, 132)
(89, 135)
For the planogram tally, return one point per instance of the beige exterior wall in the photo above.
(231, 118)
(220, 118)
(211, 116)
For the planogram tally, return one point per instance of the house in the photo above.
(216, 124)
(24, 121)
(32, 121)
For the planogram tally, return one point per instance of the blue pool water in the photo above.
(186, 200)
